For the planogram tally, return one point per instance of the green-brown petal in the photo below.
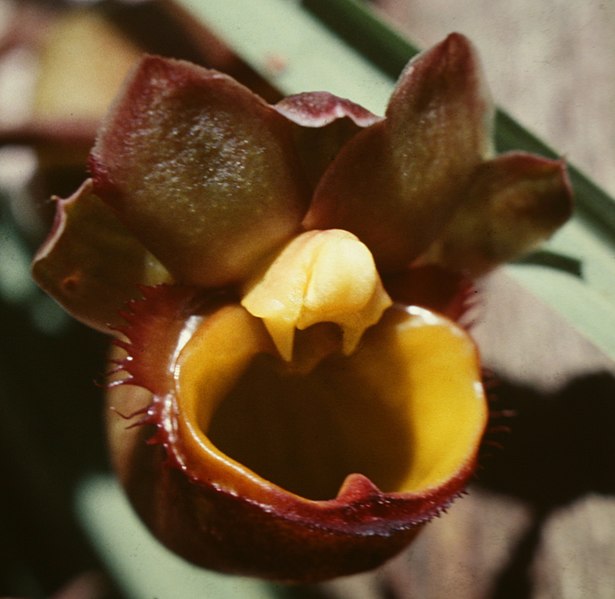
(323, 124)
(202, 170)
(91, 264)
(396, 183)
(513, 203)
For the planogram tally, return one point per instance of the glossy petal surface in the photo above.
(200, 169)
(397, 183)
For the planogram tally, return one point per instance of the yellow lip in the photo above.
(406, 409)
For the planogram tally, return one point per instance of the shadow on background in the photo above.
(51, 434)
(560, 447)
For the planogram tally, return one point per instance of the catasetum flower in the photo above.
(299, 411)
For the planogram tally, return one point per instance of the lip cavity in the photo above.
(257, 425)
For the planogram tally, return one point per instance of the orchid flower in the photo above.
(303, 400)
